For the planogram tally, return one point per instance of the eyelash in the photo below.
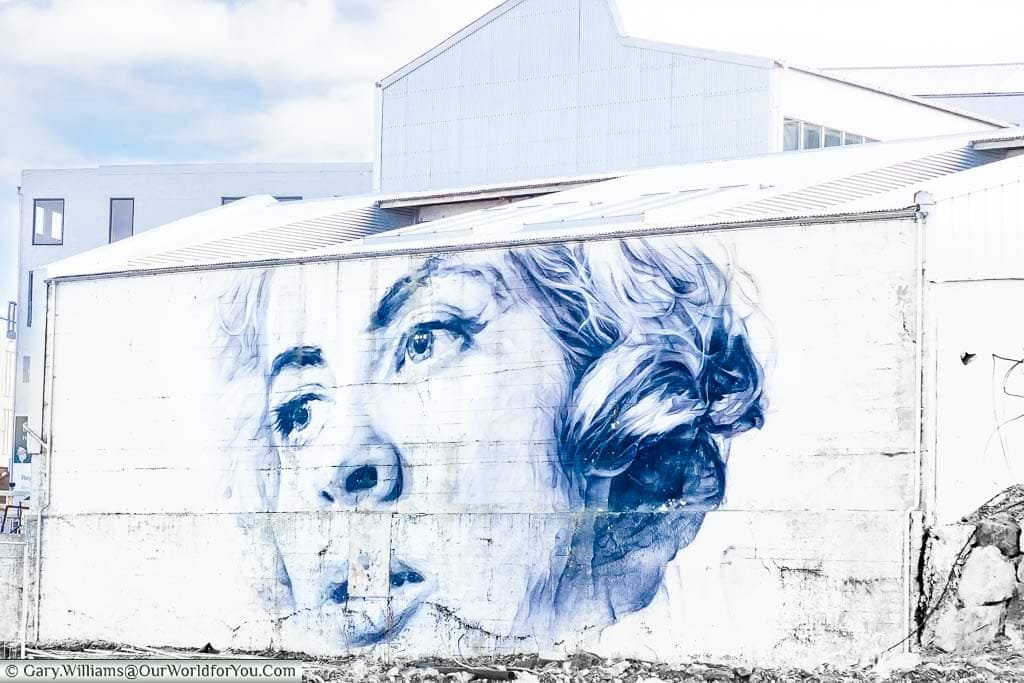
(461, 328)
(286, 415)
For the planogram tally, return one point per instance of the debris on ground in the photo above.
(1000, 661)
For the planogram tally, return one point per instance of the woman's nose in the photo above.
(370, 474)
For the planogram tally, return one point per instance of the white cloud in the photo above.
(305, 69)
(271, 41)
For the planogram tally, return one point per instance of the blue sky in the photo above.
(88, 82)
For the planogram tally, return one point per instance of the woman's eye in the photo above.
(420, 345)
(295, 415)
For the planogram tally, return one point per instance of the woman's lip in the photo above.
(400, 574)
(369, 619)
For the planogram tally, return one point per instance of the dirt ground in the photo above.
(999, 662)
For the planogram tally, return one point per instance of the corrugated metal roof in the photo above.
(854, 179)
(302, 235)
(862, 185)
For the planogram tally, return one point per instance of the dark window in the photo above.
(25, 365)
(228, 200)
(790, 135)
(122, 218)
(48, 221)
(833, 137)
(28, 308)
(851, 139)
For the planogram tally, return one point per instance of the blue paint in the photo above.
(660, 376)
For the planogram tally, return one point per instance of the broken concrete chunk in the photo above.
(945, 544)
(1000, 531)
(987, 577)
(902, 661)
(966, 629)
(617, 669)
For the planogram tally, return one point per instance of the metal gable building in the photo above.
(540, 88)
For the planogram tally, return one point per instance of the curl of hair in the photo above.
(662, 372)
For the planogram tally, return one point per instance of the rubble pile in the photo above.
(974, 578)
(996, 662)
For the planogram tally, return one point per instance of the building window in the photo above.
(122, 218)
(28, 307)
(280, 198)
(26, 363)
(798, 134)
(48, 221)
(812, 136)
(790, 135)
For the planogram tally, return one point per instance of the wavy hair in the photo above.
(662, 375)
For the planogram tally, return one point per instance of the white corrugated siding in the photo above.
(975, 233)
(549, 88)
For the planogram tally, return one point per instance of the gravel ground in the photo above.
(999, 662)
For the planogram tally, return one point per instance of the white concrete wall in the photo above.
(807, 557)
(549, 88)
(836, 104)
(975, 280)
(162, 194)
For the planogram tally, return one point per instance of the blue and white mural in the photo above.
(522, 438)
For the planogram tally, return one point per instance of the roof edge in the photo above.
(895, 213)
(624, 37)
(457, 37)
(901, 96)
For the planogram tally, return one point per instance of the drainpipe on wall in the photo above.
(914, 528)
(45, 424)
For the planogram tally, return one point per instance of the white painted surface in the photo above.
(805, 560)
(975, 276)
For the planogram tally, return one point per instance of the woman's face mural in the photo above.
(509, 444)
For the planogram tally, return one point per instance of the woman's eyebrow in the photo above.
(296, 357)
(402, 290)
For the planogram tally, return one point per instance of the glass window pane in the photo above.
(833, 137)
(790, 135)
(812, 136)
(852, 139)
(122, 218)
(870, 140)
(288, 198)
(48, 221)
(228, 200)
